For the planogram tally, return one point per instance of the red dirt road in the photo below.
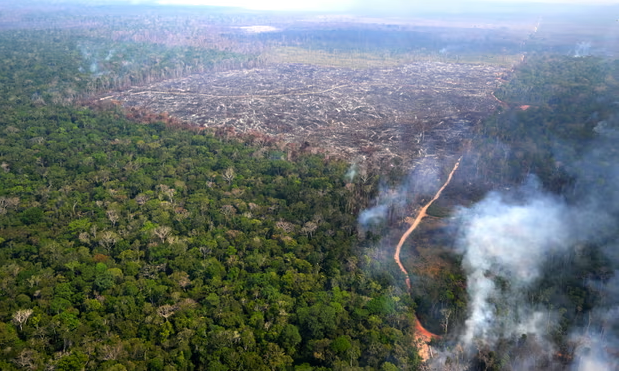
(421, 214)
(422, 335)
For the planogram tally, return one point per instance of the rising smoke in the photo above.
(541, 268)
(424, 179)
(582, 49)
(351, 173)
(520, 249)
(505, 241)
(596, 343)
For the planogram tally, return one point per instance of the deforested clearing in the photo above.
(411, 111)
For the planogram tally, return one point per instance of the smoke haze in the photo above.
(424, 179)
(512, 239)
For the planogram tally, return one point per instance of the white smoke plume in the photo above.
(596, 347)
(351, 173)
(388, 199)
(505, 242)
(93, 67)
(514, 242)
(596, 344)
(373, 215)
(582, 49)
(424, 179)
(508, 241)
(110, 54)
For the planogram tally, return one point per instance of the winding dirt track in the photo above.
(421, 214)
(422, 335)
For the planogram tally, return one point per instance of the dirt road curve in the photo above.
(422, 213)
(422, 335)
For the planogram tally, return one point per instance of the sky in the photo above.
(325, 5)
(343, 5)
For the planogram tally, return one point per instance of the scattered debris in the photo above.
(413, 110)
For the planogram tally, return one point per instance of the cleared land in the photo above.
(408, 111)
(365, 60)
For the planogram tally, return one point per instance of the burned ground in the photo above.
(409, 111)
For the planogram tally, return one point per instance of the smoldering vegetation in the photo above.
(524, 275)
(396, 202)
(521, 251)
(542, 266)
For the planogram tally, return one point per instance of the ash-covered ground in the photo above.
(411, 111)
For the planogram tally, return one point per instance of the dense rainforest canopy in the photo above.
(131, 246)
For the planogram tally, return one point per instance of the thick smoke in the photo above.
(524, 251)
(505, 240)
(511, 240)
(596, 344)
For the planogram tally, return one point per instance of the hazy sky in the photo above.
(336, 5)
(271, 4)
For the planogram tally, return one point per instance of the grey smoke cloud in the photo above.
(507, 241)
(424, 179)
(508, 238)
(374, 215)
(511, 240)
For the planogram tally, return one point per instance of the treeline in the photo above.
(62, 66)
(476, 46)
(570, 103)
(567, 83)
